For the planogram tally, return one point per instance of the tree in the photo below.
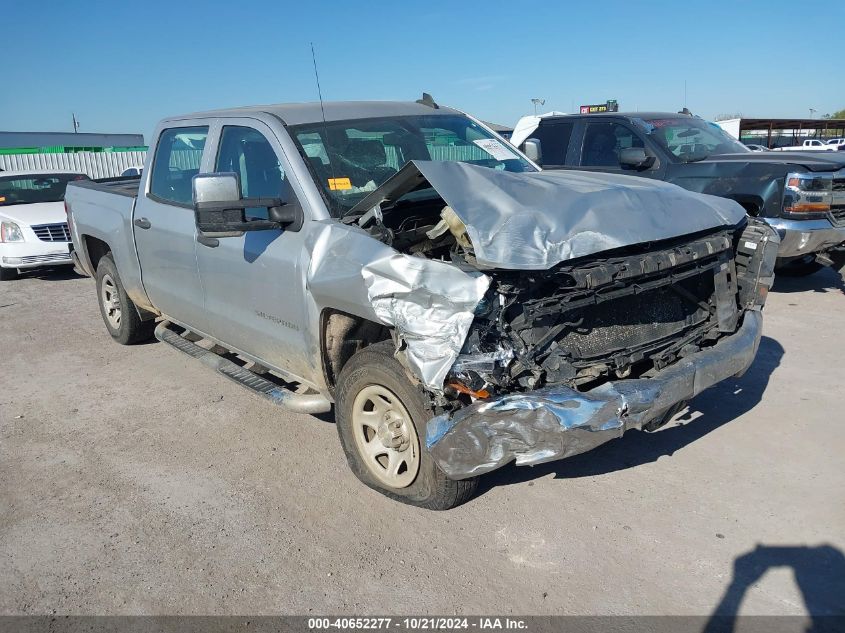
(839, 114)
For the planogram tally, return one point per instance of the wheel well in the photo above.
(96, 249)
(751, 203)
(750, 208)
(341, 335)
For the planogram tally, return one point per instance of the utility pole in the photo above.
(537, 102)
(75, 123)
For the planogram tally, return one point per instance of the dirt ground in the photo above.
(134, 480)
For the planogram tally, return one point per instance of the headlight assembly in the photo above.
(10, 232)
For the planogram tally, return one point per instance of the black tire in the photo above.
(8, 274)
(376, 366)
(130, 329)
(799, 267)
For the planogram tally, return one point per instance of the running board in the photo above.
(297, 402)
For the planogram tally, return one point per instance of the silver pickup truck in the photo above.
(460, 308)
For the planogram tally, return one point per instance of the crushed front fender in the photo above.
(559, 422)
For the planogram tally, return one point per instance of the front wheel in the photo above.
(119, 312)
(381, 421)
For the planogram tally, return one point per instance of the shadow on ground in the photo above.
(718, 406)
(825, 280)
(59, 273)
(819, 573)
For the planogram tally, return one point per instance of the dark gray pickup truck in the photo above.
(800, 194)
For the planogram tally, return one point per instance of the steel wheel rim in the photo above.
(385, 436)
(111, 301)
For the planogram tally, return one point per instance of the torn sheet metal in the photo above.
(483, 361)
(558, 422)
(536, 220)
(429, 303)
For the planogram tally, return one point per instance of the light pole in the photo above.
(813, 113)
(537, 102)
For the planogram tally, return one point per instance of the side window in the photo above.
(248, 153)
(603, 141)
(177, 160)
(554, 141)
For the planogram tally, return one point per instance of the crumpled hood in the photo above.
(533, 221)
(36, 213)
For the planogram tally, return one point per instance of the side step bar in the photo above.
(297, 402)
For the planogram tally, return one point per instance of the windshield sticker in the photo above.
(658, 123)
(339, 184)
(495, 149)
(647, 126)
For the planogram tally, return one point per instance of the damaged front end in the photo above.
(586, 325)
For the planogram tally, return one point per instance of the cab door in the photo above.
(165, 229)
(253, 283)
(600, 143)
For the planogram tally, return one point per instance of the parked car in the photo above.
(33, 225)
(838, 143)
(756, 148)
(811, 144)
(133, 171)
(460, 309)
(800, 194)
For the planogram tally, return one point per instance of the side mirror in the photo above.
(288, 215)
(636, 158)
(532, 148)
(219, 208)
(222, 187)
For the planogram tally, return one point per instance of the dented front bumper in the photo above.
(558, 422)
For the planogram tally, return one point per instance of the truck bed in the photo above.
(100, 215)
(124, 186)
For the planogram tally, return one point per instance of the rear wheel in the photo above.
(381, 421)
(119, 312)
(7, 274)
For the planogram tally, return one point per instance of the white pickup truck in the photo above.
(460, 308)
(810, 144)
(33, 225)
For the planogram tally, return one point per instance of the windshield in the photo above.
(35, 188)
(349, 159)
(691, 139)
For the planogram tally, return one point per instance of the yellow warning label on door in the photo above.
(338, 184)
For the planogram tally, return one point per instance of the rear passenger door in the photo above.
(554, 136)
(164, 226)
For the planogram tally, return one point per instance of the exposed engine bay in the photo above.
(545, 313)
(628, 313)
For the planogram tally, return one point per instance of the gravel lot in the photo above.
(134, 480)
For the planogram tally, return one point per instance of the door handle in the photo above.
(211, 242)
(143, 223)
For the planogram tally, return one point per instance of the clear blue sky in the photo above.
(123, 65)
